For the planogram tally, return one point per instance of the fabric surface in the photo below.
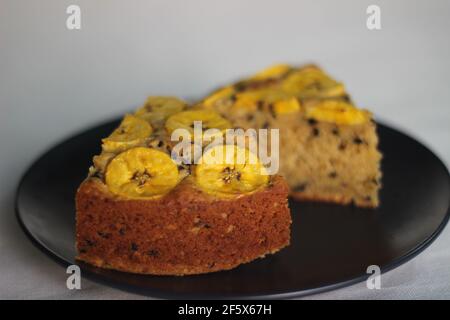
(55, 82)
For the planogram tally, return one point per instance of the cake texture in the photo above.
(328, 146)
(185, 232)
(140, 211)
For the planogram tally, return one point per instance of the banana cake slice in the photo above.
(139, 211)
(328, 146)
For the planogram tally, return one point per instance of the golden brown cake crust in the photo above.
(184, 232)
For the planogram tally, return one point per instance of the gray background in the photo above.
(55, 82)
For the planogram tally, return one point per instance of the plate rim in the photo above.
(158, 293)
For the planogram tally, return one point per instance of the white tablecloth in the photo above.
(55, 82)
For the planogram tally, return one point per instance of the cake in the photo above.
(328, 146)
(141, 210)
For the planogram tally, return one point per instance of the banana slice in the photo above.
(209, 120)
(229, 171)
(338, 112)
(141, 173)
(247, 101)
(312, 82)
(218, 96)
(131, 132)
(160, 108)
(287, 106)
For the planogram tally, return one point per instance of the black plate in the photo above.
(331, 245)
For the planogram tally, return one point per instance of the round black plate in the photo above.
(331, 245)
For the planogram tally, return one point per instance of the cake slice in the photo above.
(328, 146)
(138, 211)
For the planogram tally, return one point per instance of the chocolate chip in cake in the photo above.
(332, 174)
(335, 131)
(301, 187)
(312, 121)
(153, 253)
(134, 247)
(358, 140)
(122, 231)
(90, 243)
(265, 125)
(104, 235)
(250, 117)
(201, 224)
(315, 132)
(272, 110)
(342, 146)
(260, 104)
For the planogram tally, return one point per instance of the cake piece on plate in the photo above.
(328, 146)
(138, 211)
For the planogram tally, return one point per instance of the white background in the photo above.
(55, 82)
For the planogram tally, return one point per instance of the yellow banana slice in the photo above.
(141, 173)
(160, 108)
(229, 170)
(247, 101)
(286, 106)
(312, 82)
(218, 96)
(131, 132)
(209, 120)
(338, 112)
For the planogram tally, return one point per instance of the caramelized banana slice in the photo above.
(338, 112)
(218, 97)
(141, 173)
(229, 171)
(160, 108)
(131, 132)
(312, 82)
(286, 106)
(185, 120)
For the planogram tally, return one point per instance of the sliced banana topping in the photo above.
(312, 82)
(338, 112)
(247, 101)
(218, 96)
(158, 109)
(209, 120)
(286, 106)
(131, 132)
(141, 173)
(229, 170)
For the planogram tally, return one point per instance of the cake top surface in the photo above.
(147, 155)
(285, 90)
